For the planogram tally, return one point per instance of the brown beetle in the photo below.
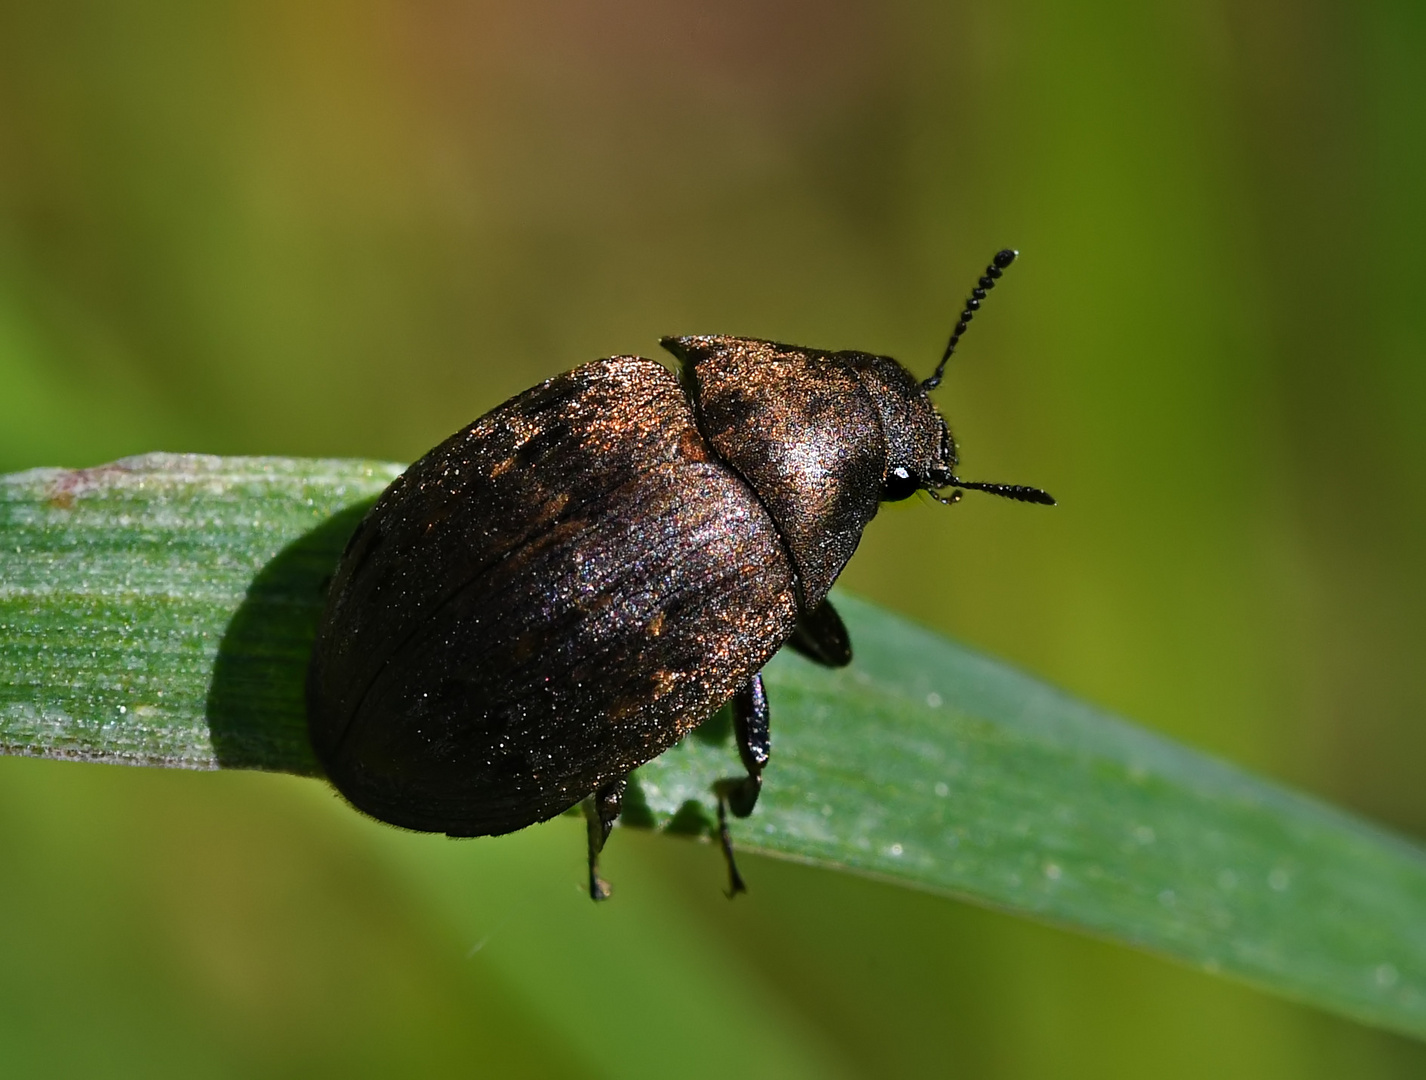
(561, 591)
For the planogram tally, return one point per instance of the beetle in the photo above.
(562, 590)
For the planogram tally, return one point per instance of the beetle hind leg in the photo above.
(750, 728)
(601, 810)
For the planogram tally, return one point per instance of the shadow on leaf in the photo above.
(256, 708)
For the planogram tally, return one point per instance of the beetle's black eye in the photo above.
(900, 484)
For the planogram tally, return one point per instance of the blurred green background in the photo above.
(348, 228)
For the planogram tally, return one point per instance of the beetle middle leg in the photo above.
(821, 636)
(750, 729)
(601, 810)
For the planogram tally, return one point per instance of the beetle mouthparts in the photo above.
(1018, 492)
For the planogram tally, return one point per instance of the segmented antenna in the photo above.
(1018, 492)
(984, 285)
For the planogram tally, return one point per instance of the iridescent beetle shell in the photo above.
(561, 591)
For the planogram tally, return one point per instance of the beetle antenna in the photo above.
(1018, 492)
(987, 282)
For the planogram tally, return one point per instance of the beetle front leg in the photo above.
(750, 728)
(601, 810)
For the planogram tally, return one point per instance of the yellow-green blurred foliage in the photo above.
(348, 228)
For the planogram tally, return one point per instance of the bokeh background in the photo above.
(347, 228)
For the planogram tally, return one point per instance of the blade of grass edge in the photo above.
(159, 610)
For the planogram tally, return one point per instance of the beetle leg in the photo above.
(750, 728)
(735, 879)
(601, 810)
(821, 637)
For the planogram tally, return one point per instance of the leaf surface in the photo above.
(159, 611)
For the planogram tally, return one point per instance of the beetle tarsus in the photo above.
(601, 810)
(735, 879)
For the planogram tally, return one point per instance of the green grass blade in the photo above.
(158, 611)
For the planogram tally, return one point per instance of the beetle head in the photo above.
(920, 450)
(920, 453)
